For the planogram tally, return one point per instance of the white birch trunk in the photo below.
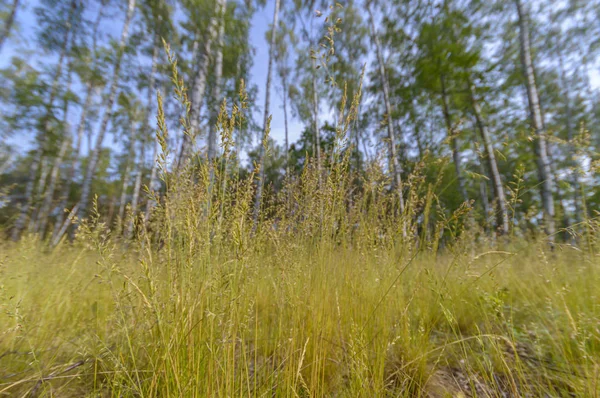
(218, 69)
(199, 88)
(535, 114)
(285, 122)
(394, 164)
(126, 176)
(95, 152)
(37, 157)
(136, 191)
(492, 163)
(150, 102)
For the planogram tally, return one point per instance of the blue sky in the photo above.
(22, 42)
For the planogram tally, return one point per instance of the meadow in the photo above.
(338, 273)
(329, 293)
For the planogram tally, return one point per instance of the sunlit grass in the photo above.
(299, 322)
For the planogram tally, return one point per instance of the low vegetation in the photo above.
(331, 292)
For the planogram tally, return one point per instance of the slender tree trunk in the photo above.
(394, 164)
(7, 163)
(146, 126)
(8, 23)
(285, 121)
(123, 198)
(49, 195)
(453, 142)
(218, 68)
(42, 136)
(126, 176)
(150, 102)
(153, 177)
(111, 209)
(70, 180)
(356, 135)
(41, 187)
(543, 163)
(419, 139)
(492, 164)
(315, 108)
(261, 177)
(136, 190)
(483, 192)
(315, 104)
(95, 152)
(559, 195)
(199, 87)
(63, 228)
(572, 152)
(194, 108)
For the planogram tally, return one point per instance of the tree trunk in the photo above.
(394, 164)
(535, 114)
(42, 136)
(285, 123)
(8, 23)
(49, 194)
(492, 164)
(111, 209)
(89, 96)
(7, 163)
(150, 101)
(126, 175)
(315, 100)
(199, 87)
(453, 142)
(261, 176)
(356, 135)
(483, 192)
(70, 179)
(43, 214)
(315, 105)
(218, 68)
(194, 109)
(560, 198)
(146, 126)
(153, 177)
(136, 191)
(95, 152)
(571, 147)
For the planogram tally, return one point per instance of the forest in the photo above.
(395, 198)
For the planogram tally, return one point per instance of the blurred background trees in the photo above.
(497, 101)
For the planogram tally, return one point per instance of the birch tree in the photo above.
(537, 124)
(200, 78)
(394, 164)
(58, 24)
(110, 99)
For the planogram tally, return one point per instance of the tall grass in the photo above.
(321, 296)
